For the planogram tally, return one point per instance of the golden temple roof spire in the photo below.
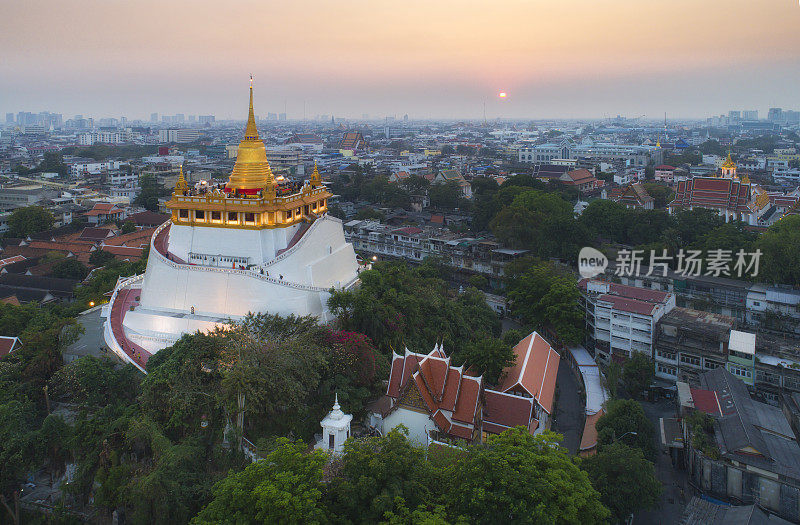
(729, 162)
(251, 173)
(181, 185)
(251, 131)
(316, 179)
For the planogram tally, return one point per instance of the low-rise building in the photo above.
(750, 455)
(439, 402)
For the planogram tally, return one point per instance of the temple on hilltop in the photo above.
(251, 245)
(733, 197)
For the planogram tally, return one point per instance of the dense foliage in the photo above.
(514, 478)
(546, 297)
(625, 479)
(625, 422)
(28, 220)
(400, 306)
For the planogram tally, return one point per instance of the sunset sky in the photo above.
(430, 59)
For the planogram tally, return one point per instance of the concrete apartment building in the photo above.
(180, 136)
(688, 342)
(622, 319)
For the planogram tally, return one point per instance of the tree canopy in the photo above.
(625, 479)
(519, 478)
(397, 306)
(28, 220)
(285, 487)
(545, 297)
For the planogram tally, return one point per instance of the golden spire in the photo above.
(251, 172)
(729, 163)
(181, 185)
(315, 180)
(250, 130)
(745, 179)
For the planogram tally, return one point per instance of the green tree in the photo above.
(780, 246)
(545, 297)
(128, 227)
(488, 357)
(531, 221)
(416, 184)
(519, 478)
(661, 193)
(150, 192)
(370, 213)
(711, 147)
(446, 195)
(625, 479)
(286, 487)
(95, 382)
(69, 268)
(100, 258)
(374, 472)
(53, 162)
(28, 220)
(625, 422)
(638, 373)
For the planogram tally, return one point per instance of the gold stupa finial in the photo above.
(316, 179)
(745, 179)
(729, 164)
(251, 131)
(658, 143)
(251, 173)
(181, 185)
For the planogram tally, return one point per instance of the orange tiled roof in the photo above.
(534, 371)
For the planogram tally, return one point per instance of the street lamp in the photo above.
(622, 436)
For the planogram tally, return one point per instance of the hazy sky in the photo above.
(433, 58)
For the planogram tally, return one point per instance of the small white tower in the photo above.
(335, 429)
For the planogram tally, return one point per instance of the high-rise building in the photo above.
(206, 119)
(775, 114)
(181, 136)
(750, 114)
(153, 117)
(9, 118)
(282, 116)
(734, 116)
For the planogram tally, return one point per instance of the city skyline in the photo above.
(430, 62)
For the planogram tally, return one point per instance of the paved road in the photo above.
(677, 493)
(569, 417)
(91, 342)
(510, 324)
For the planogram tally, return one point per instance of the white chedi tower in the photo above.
(255, 244)
(335, 429)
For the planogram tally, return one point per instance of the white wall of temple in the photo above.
(257, 245)
(418, 424)
(221, 293)
(180, 298)
(322, 257)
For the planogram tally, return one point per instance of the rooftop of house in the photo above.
(699, 321)
(749, 431)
